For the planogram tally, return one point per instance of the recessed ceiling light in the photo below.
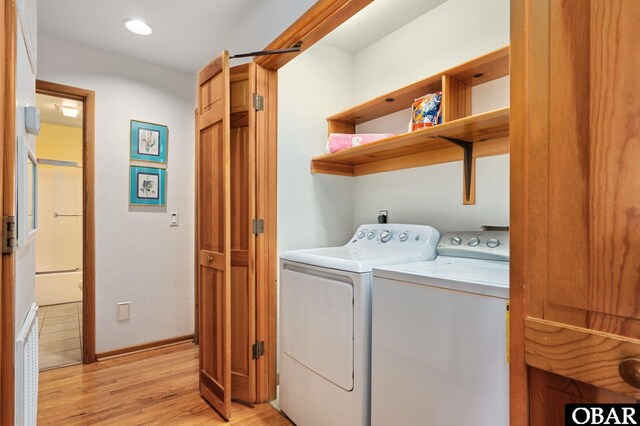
(137, 26)
(68, 111)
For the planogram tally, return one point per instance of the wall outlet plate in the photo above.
(122, 311)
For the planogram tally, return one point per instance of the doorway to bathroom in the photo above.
(64, 280)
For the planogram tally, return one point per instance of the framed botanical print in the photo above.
(149, 142)
(147, 186)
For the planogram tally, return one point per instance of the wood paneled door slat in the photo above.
(243, 241)
(575, 216)
(214, 233)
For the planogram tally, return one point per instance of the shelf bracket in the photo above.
(468, 164)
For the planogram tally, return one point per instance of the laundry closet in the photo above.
(355, 148)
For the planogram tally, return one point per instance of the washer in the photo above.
(439, 336)
(325, 312)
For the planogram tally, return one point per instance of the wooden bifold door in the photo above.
(235, 223)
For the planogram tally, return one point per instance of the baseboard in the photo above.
(144, 346)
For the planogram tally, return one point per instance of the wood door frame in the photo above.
(322, 17)
(518, 372)
(87, 97)
(8, 193)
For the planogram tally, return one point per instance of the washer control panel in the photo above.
(490, 245)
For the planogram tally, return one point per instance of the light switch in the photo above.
(122, 311)
(174, 219)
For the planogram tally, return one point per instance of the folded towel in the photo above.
(339, 141)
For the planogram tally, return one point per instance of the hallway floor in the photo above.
(159, 386)
(60, 335)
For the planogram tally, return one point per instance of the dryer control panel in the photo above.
(489, 245)
(395, 237)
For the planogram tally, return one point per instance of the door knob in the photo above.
(209, 259)
(629, 370)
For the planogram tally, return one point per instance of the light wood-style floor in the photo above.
(159, 386)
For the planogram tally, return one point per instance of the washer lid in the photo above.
(350, 259)
(490, 278)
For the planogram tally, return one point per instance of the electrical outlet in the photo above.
(382, 218)
(122, 311)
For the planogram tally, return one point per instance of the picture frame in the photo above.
(147, 186)
(149, 142)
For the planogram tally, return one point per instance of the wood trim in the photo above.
(196, 240)
(322, 18)
(582, 354)
(518, 373)
(8, 185)
(266, 243)
(143, 346)
(88, 209)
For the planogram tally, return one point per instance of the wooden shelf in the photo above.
(480, 70)
(488, 132)
(462, 136)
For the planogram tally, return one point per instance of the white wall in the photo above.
(139, 258)
(313, 210)
(454, 32)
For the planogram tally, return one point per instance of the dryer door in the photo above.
(317, 323)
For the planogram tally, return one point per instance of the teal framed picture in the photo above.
(149, 142)
(147, 186)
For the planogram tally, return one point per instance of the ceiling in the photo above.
(186, 33)
(49, 114)
(380, 18)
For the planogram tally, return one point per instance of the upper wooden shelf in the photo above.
(461, 136)
(479, 70)
(422, 147)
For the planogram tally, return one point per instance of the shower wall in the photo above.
(59, 237)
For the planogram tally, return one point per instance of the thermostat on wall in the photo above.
(32, 120)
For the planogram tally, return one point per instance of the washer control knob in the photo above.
(385, 236)
(360, 234)
(371, 235)
(493, 243)
(473, 242)
(456, 241)
(404, 237)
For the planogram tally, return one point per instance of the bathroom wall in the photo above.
(59, 239)
(57, 142)
(139, 258)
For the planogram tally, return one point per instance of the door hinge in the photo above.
(9, 238)
(258, 102)
(257, 350)
(257, 226)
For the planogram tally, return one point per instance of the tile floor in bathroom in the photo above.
(60, 335)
